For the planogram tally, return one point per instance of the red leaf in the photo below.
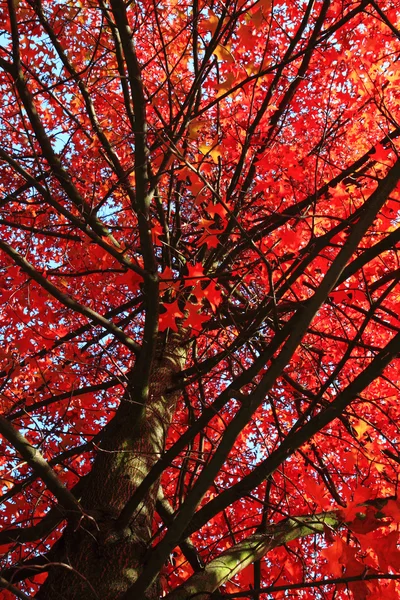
(195, 272)
(168, 318)
(247, 577)
(381, 154)
(213, 295)
(333, 555)
(216, 209)
(387, 551)
(194, 318)
(392, 509)
(366, 523)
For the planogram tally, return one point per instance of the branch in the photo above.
(35, 460)
(59, 208)
(44, 140)
(208, 413)
(296, 438)
(38, 231)
(56, 460)
(67, 301)
(385, 19)
(271, 589)
(144, 197)
(189, 551)
(81, 391)
(6, 585)
(42, 529)
(229, 563)
(66, 338)
(241, 555)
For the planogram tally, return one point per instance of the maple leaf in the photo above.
(194, 129)
(387, 551)
(195, 272)
(296, 172)
(216, 209)
(213, 295)
(40, 578)
(215, 151)
(291, 238)
(223, 53)
(381, 591)
(247, 577)
(196, 187)
(156, 232)
(333, 555)
(317, 492)
(365, 522)
(210, 238)
(211, 23)
(194, 316)
(356, 507)
(381, 154)
(360, 589)
(130, 279)
(169, 316)
(392, 509)
(266, 4)
(184, 173)
(226, 85)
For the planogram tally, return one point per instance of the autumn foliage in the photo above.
(200, 299)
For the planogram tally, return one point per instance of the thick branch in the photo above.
(144, 195)
(6, 585)
(232, 561)
(35, 460)
(241, 555)
(189, 551)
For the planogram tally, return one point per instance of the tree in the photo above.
(200, 299)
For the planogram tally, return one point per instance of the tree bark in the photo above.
(95, 558)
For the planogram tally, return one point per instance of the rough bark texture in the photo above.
(99, 560)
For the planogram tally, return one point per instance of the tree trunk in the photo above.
(100, 561)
